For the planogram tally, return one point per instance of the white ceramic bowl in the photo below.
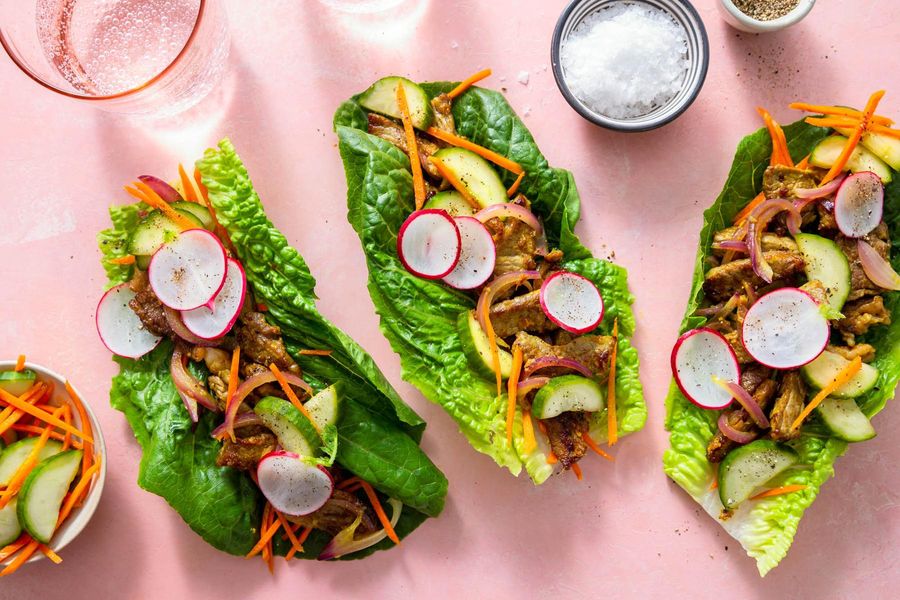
(80, 516)
(737, 19)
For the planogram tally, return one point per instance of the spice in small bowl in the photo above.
(760, 16)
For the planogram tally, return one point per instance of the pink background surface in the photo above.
(626, 530)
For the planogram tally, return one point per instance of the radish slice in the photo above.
(213, 323)
(859, 204)
(189, 271)
(120, 329)
(785, 329)
(698, 358)
(572, 302)
(292, 486)
(477, 255)
(429, 243)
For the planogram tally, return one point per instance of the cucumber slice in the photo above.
(568, 393)
(197, 210)
(43, 493)
(830, 148)
(826, 262)
(822, 371)
(477, 348)
(324, 407)
(15, 454)
(10, 528)
(883, 146)
(17, 382)
(475, 174)
(452, 202)
(381, 97)
(746, 468)
(155, 230)
(294, 431)
(843, 418)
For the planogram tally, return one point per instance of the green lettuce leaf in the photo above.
(376, 437)
(766, 528)
(418, 316)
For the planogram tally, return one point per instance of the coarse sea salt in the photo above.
(625, 60)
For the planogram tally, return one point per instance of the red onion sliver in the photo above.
(191, 391)
(876, 268)
(173, 318)
(497, 286)
(746, 401)
(532, 383)
(819, 192)
(733, 245)
(756, 224)
(165, 191)
(251, 384)
(510, 209)
(546, 362)
(739, 437)
(242, 420)
(343, 543)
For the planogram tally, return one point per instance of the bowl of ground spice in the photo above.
(630, 65)
(762, 16)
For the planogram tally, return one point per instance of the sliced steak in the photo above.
(392, 131)
(770, 241)
(521, 313)
(860, 315)
(860, 284)
(566, 435)
(338, 513)
(725, 280)
(788, 406)
(147, 306)
(763, 392)
(593, 351)
(864, 351)
(515, 243)
(244, 453)
(734, 339)
(780, 181)
(261, 342)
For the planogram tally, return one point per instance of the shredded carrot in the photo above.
(385, 522)
(515, 186)
(186, 186)
(850, 146)
(596, 447)
(511, 389)
(832, 121)
(715, 485)
(454, 181)
(128, 259)
(745, 212)
(67, 438)
(577, 470)
(315, 352)
(352, 489)
(611, 424)
(300, 539)
(485, 153)
(54, 435)
(291, 395)
(204, 193)
(12, 548)
(233, 381)
(85, 426)
(528, 432)
(32, 395)
(295, 543)
(803, 163)
(839, 111)
(78, 492)
(49, 553)
(260, 307)
(23, 556)
(146, 194)
(20, 363)
(895, 133)
(46, 417)
(469, 82)
(780, 153)
(412, 148)
(18, 478)
(845, 375)
(551, 458)
(786, 489)
(348, 482)
(267, 532)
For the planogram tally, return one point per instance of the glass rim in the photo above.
(7, 46)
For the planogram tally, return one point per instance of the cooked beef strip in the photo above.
(565, 433)
(816, 289)
(521, 313)
(725, 280)
(443, 114)
(827, 223)
(515, 243)
(865, 351)
(770, 241)
(780, 181)
(753, 376)
(860, 315)
(860, 284)
(593, 351)
(244, 453)
(147, 306)
(261, 342)
(738, 418)
(734, 339)
(338, 513)
(788, 406)
(392, 131)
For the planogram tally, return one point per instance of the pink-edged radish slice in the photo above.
(120, 329)
(477, 255)
(859, 204)
(189, 271)
(292, 486)
(699, 357)
(213, 323)
(429, 243)
(785, 329)
(572, 302)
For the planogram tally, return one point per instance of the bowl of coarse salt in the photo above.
(630, 65)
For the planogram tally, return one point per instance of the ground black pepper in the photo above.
(765, 10)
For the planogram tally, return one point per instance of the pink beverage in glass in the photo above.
(156, 57)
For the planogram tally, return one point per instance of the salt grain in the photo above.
(523, 77)
(626, 60)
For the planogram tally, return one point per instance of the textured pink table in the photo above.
(626, 530)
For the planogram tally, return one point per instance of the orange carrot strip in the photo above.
(85, 425)
(839, 111)
(186, 186)
(301, 539)
(511, 390)
(20, 363)
(611, 423)
(15, 482)
(315, 352)
(786, 489)
(577, 470)
(895, 133)
(291, 395)
(832, 121)
(12, 548)
(803, 163)
(492, 343)
(780, 153)
(515, 186)
(469, 82)
(454, 181)
(385, 522)
(268, 531)
(596, 447)
(23, 556)
(412, 148)
(485, 153)
(840, 379)
(233, 381)
(715, 485)
(850, 146)
(204, 193)
(10, 415)
(528, 432)
(67, 417)
(151, 198)
(78, 491)
(49, 553)
(54, 435)
(745, 212)
(128, 259)
(348, 482)
(551, 458)
(295, 543)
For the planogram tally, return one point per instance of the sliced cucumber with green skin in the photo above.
(10, 528)
(43, 492)
(155, 230)
(452, 202)
(843, 418)
(17, 382)
(830, 148)
(325, 407)
(198, 210)
(381, 97)
(294, 431)
(16, 453)
(475, 174)
(827, 263)
(822, 371)
(748, 467)
(885, 147)
(568, 393)
(477, 348)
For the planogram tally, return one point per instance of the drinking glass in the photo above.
(147, 57)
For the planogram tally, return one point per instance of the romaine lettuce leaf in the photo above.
(419, 316)
(766, 528)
